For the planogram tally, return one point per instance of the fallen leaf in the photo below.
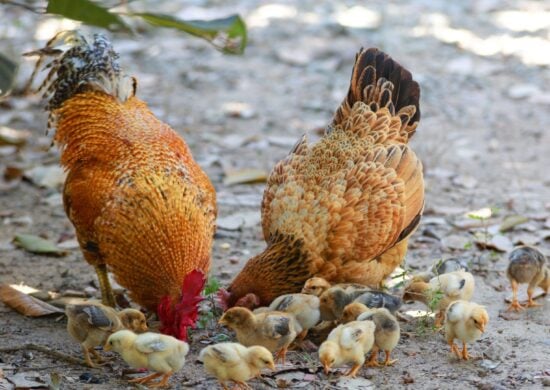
(498, 242)
(9, 136)
(512, 221)
(245, 176)
(35, 244)
(25, 304)
(49, 176)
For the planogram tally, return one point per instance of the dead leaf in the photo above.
(9, 136)
(25, 304)
(498, 242)
(49, 176)
(512, 221)
(27, 380)
(35, 244)
(245, 176)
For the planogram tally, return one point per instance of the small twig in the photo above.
(25, 6)
(46, 350)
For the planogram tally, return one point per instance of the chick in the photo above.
(347, 343)
(352, 311)
(165, 355)
(440, 291)
(527, 265)
(317, 286)
(335, 299)
(450, 264)
(386, 334)
(91, 324)
(465, 321)
(272, 329)
(133, 320)
(234, 362)
(304, 307)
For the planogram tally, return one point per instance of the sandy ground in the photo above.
(483, 70)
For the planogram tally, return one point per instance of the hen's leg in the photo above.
(373, 361)
(515, 306)
(530, 302)
(107, 297)
(387, 361)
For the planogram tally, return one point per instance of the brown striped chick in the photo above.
(273, 330)
(304, 307)
(317, 286)
(386, 334)
(162, 354)
(335, 299)
(347, 343)
(527, 265)
(352, 311)
(453, 286)
(465, 321)
(235, 362)
(90, 324)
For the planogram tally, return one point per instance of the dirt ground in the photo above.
(483, 138)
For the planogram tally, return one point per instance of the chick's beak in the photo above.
(481, 326)
(107, 347)
(272, 366)
(326, 366)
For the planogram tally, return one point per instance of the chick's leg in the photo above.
(87, 358)
(107, 297)
(465, 354)
(163, 382)
(97, 356)
(515, 305)
(530, 301)
(281, 355)
(146, 378)
(242, 385)
(373, 361)
(454, 348)
(439, 317)
(353, 371)
(387, 361)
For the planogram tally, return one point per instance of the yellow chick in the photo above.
(235, 362)
(273, 330)
(164, 355)
(91, 324)
(386, 334)
(317, 286)
(335, 299)
(527, 265)
(304, 307)
(347, 343)
(465, 321)
(452, 287)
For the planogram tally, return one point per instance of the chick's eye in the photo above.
(110, 343)
(475, 321)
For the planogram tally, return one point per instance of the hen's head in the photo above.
(177, 315)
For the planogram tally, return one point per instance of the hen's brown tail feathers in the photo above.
(379, 81)
(82, 65)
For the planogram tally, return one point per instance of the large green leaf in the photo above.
(8, 68)
(227, 34)
(85, 11)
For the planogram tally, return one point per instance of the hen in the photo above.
(343, 208)
(140, 204)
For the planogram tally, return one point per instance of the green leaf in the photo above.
(85, 11)
(35, 244)
(226, 34)
(212, 286)
(8, 69)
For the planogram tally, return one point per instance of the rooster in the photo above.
(141, 206)
(343, 208)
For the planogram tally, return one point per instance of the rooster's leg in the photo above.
(353, 371)
(107, 297)
(146, 378)
(530, 302)
(373, 361)
(515, 305)
(163, 382)
(387, 361)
